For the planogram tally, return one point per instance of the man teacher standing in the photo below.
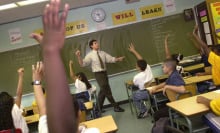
(97, 60)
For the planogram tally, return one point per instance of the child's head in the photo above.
(177, 57)
(93, 44)
(6, 105)
(169, 65)
(81, 76)
(216, 49)
(141, 65)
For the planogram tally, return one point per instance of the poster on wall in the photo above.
(151, 11)
(169, 6)
(123, 17)
(72, 28)
(216, 17)
(15, 35)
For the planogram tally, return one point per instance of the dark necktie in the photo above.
(100, 60)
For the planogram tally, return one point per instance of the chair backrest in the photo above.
(208, 70)
(11, 131)
(190, 91)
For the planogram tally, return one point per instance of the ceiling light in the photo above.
(7, 6)
(29, 2)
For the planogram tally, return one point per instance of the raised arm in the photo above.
(37, 74)
(194, 42)
(200, 42)
(167, 51)
(59, 101)
(72, 74)
(132, 49)
(19, 87)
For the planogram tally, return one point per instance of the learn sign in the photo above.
(152, 11)
(123, 17)
(72, 28)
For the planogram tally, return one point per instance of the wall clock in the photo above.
(98, 14)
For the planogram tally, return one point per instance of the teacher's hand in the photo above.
(78, 53)
(120, 58)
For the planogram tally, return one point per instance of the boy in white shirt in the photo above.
(144, 77)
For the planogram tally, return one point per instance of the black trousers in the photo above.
(105, 90)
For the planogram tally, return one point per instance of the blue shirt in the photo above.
(175, 79)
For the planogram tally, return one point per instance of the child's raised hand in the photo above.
(71, 62)
(167, 36)
(131, 47)
(37, 37)
(37, 71)
(195, 30)
(54, 26)
(78, 53)
(20, 71)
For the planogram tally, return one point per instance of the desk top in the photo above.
(193, 67)
(197, 79)
(189, 106)
(105, 124)
(32, 118)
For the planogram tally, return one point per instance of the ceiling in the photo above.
(15, 14)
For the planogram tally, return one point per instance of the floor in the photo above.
(128, 123)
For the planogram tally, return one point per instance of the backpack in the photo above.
(163, 126)
(11, 131)
(159, 125)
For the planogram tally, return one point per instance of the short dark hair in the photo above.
(216, 48)
(171, 63)
(142, 64)
(177, 57)
(91, 42)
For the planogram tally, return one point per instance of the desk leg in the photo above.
(129, 97)
(189, 124)
(171, 117)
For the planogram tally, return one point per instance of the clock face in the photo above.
(98, 14)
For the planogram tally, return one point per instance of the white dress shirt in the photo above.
(18, 119)
(93, 60)
(143, 77)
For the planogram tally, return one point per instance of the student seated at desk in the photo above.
(144, 77)
(10, 111)
(212, 119)
(81, 82)
(174, 83)
(213, 57)
(176, 57)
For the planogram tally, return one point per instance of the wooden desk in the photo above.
(105, 124)
(194, 67)
(32, 118)
(183, 106)
(197, 79)
(189, 107)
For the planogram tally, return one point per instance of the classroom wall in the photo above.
(117, 82)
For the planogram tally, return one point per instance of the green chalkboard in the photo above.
(148, 37)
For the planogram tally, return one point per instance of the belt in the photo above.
(101, 72)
